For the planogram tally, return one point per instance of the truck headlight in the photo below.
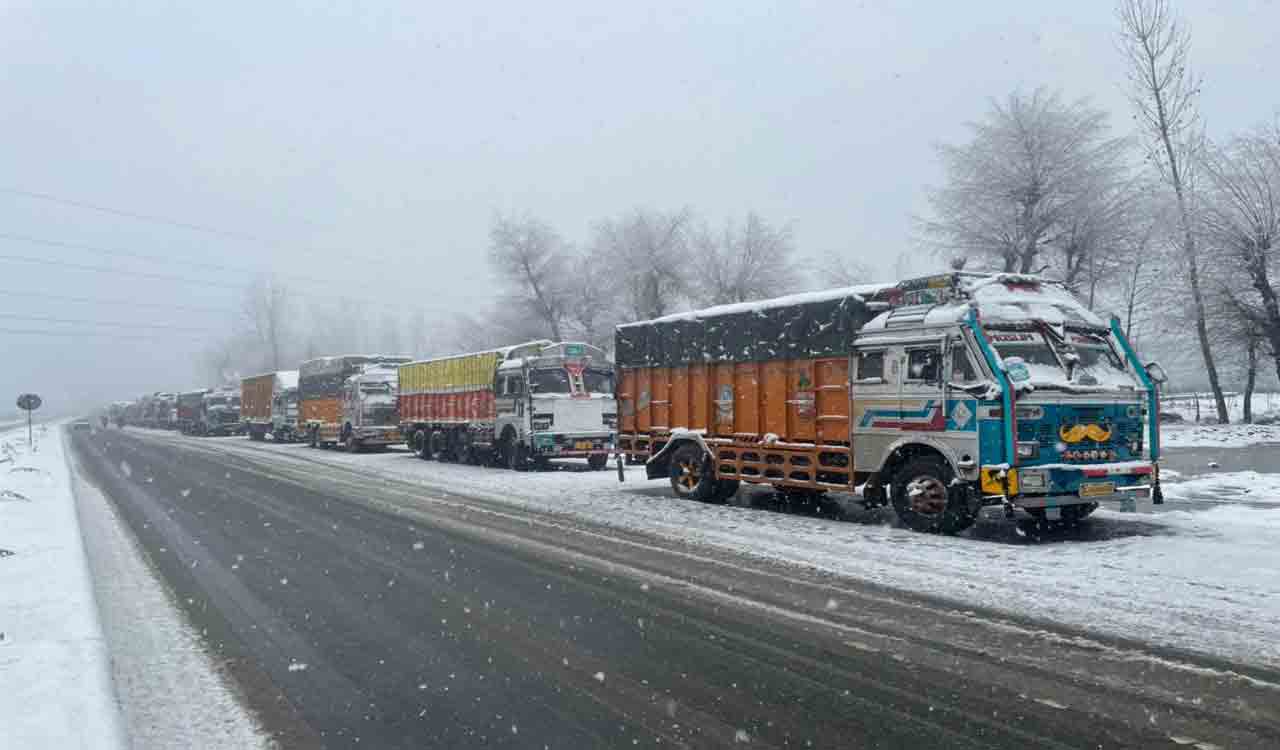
(1028, 450)
(542, 422)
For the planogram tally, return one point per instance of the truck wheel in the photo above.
(692, 477)
(922, 498)
(352, 444)
(422, 445)
(315, 437)
(517, 456)
(598, 461)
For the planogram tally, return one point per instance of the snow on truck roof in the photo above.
(503, 352)
(861, 292)
(998, 298)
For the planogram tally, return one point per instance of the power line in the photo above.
(123, 302)
(78, 334)
(162, 277)
(115, 323)
(132, 214)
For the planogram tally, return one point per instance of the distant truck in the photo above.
(369, 415)
(187, 409)
(116, 411)
(511, 406)
(269, 405)
(938, 396)
(219, 413)
(323, 398)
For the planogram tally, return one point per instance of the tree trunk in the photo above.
(1270, 306)
(1251, 378)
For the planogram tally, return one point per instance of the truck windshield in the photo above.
(598, 381)
(1042, 361)
(549, 380)
(1097, 362)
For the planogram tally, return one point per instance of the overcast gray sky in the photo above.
(374, 144)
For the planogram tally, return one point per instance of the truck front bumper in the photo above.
(555, 445)
(1059, 485)
(379, 435)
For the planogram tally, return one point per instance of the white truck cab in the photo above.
(558, 403)
(369, 413)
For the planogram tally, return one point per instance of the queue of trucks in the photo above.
(938, 397)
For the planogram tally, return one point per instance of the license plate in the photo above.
(1097, 489)
(583, 445)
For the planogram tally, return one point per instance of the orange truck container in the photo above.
(256, 394)
(765, 388)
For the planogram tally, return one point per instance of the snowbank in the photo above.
(54, 665)
(1204, 580)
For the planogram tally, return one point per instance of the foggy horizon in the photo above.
(364, 154)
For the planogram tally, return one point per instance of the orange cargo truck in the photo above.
(742, 392)
(322, 386)
(939, 396)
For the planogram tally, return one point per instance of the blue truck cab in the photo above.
(975, 390)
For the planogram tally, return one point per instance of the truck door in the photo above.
(920, 388)
(874, 408)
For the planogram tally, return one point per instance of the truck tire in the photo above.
(922, 498)
(315, 437)
(692, 476)
(352, 444)
(422, 445)
(517, 456)
(597, 461)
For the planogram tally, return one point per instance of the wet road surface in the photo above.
(363, 613)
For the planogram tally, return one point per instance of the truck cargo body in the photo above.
(188, 407)
(321, 383)
(529, 402)
(941, 395)
(265, 407)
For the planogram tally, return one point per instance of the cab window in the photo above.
(870, 365)
(962, 370)
(924, 365)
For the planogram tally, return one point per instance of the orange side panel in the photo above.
(723, 400)
(627, 401)
(746, 407)
(773, 398)
(832, 383)
(679, 395)
(660, 399)
(700, 406)
(643, 397)
(801, 402)
(324, 410)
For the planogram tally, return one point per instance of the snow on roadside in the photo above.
(1250, 487)
(1217, 435)
(54, 672)
(1204, 581)
(171, 692)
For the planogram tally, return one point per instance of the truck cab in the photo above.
(558, 403)
(1000, 390)
(284, 415)
(369, 414)
(220, 413)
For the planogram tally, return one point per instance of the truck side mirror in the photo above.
(1156, 373)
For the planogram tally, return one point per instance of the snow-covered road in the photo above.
(1201, 579)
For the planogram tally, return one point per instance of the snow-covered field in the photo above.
(1184, 405)
(1203, 579)
(54, 666)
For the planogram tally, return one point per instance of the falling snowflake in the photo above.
(186, 492)
(419, 545)
(284, 581)
(297, 666)
(599, 676)
(832, 605)
(126, 469)
(741, 736)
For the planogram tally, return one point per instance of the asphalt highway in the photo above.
(357, 611)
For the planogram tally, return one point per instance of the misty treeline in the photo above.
(641, 264)
(1171, 231)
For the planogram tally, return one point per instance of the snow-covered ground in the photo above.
(54, 674)
(1184, 405)
(93, 653)
(1191, 435)
(1202, 579)
(171, 693)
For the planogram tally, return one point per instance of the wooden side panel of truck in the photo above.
(457, 390)
(256, 394)
(782, 420)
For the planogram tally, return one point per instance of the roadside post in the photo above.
(29, 402)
